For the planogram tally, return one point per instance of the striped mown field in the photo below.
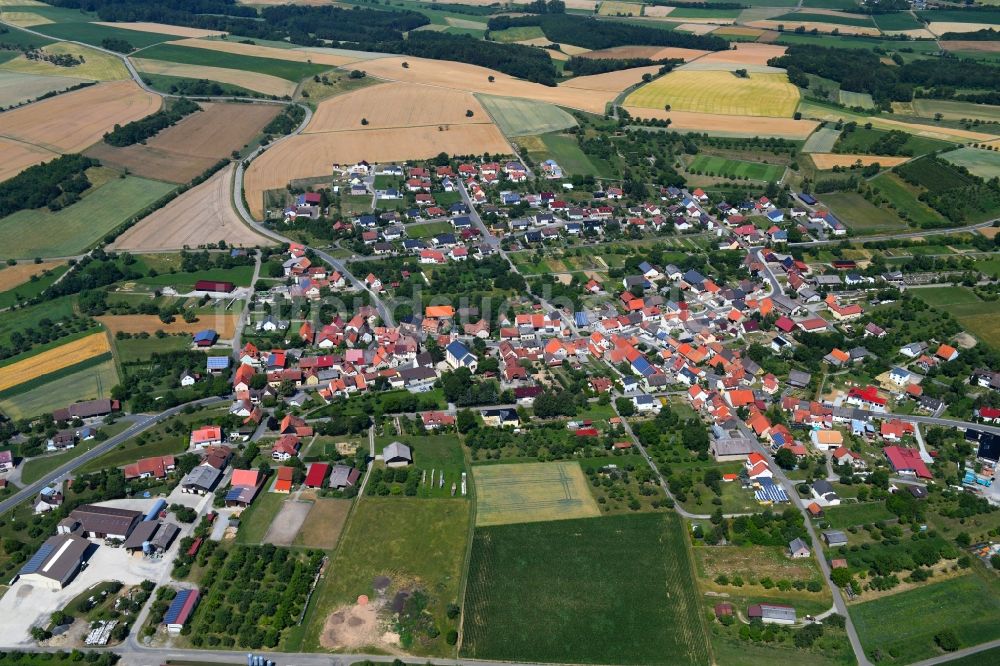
(52, 360)
(531, 492)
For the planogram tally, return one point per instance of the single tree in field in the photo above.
(469, 113)
(491, 78)
(406, 65)
(364, 121)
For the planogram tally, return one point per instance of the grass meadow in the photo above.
(594, 590)
(564, 149)
(967, 605)
(711, 165)
(982, 163)
(93, 34)
(861, 216)
(903, 196)
(862, 141)
(31, 233)
(84, 381)
(979, 317)
(846, 515)
(416, 543)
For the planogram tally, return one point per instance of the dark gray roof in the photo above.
(202, 476)
(142, 533)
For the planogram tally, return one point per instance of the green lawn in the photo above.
(140, 349)
(415, 543)
(38, 467)
(131, 451)
(903, 196)
(239, 275)
(429, 229)
(615, 589)
(285, 69)
(847, 515)
(564, 149)
(967, 605)
(719, 166)
(437, 453)
(979, 317)
(91, 33)
(33, 233)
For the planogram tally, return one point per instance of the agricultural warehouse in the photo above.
(100, 522)
(180, 610)
(56, 562)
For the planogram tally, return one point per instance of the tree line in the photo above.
(138, 131)
(593, 34)
(57, 183)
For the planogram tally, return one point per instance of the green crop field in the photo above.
(610, 590)
(934, 175)
(896, 21)
(140, 349)
(523, 117)
(239, 275)
(285, 69)
(706, 13)
(527, 492)
(983, 163)
(847, 515)
(967, 605)
(852, 99)
(842, 19)
(720, 166)
(862, 140)
(960, 16)
(417, 544)
(979, 317)
(989, 657)
(517, 34)
(903, 196)
(87, 382)
(951, 110)
(821, 4)
(32, 233)
(17, 37)
(719, 92)
(91, 33)
(861, 216)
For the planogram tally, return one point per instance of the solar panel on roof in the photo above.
(176, 606)
(32, 565)
(234, 493)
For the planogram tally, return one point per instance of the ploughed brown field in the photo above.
(69, 123)
(202, 215)
(181, 152)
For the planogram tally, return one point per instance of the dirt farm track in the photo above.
(200, 216)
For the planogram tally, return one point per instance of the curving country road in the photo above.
(146, 421)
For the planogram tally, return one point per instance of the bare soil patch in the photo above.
(72, 122)
(287, 523)
(830, 160)
(961, 45)
(355, 626)
(200, 216)
(224, 325)
(13, 276)
(181, 152)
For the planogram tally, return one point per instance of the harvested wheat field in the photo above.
(98, 66)
(814, 25)
(746, 54)
(717, 124)
(17, 88)
(719, 92)
(941, 27)
(185, 150)
(70, 123)
(262, 83)
(829, 160)
(163, 29)
(960, 45)
(224, 325)
(19, 156)
(738, 31)
(308, 155)
(13, 276)
(471, 78)
(396, 105)
(200, 216)
(651, 52)
(257, 51)
(657, 11)
(611, 81)
(943, 133)
(55, 359)
(697, 28)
